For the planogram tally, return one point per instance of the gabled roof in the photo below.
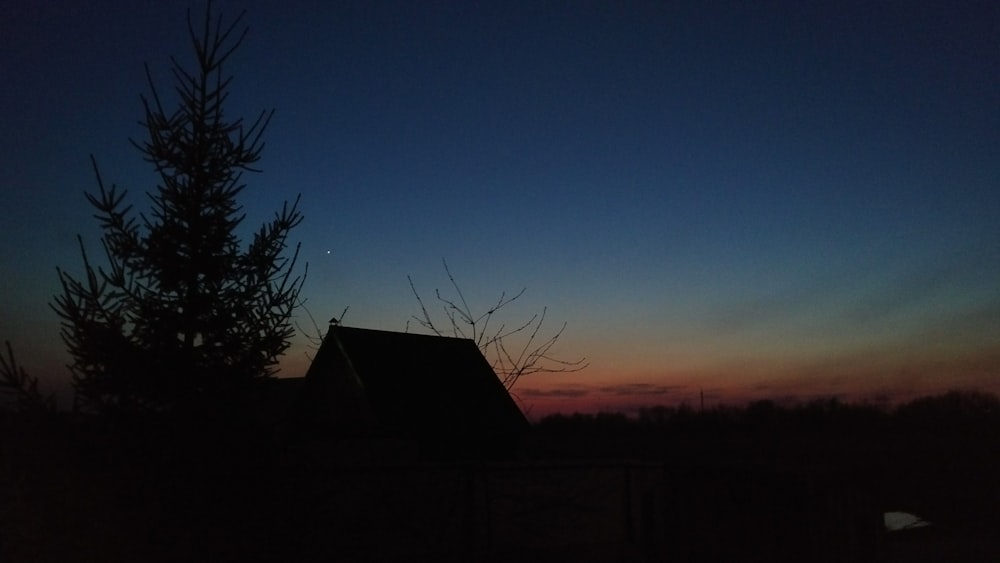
(429, 388)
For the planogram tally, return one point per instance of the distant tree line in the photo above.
(956, 409)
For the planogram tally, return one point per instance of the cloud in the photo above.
(576, 391)
(641, 389)
(914, 288)
(775, 305)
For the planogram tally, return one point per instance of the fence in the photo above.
(583, 511)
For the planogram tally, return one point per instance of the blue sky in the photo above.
(785, 199)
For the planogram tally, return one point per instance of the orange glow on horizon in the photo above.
(850, 379)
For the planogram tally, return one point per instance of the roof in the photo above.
(430, 388)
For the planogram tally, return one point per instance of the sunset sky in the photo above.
(750, 199)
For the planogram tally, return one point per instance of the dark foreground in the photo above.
(775, 486)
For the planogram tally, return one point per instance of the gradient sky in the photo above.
(750, 199)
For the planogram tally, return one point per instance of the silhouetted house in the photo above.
(438, 393)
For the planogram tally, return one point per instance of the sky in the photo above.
(728, 200)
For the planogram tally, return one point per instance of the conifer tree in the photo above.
(183, 312)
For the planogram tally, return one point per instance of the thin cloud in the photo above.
(911, 290)
(776, 306)
(642, 389)
(557, 392)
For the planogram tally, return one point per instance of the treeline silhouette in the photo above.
(956, 410)
(94, 487)
(932, 437)
(935, 456)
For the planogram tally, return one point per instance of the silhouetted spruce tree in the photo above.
(21, 389)
(183, 313)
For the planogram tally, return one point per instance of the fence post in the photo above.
(629, 518)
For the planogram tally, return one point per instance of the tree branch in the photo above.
(531, 357)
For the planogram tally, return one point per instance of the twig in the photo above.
(532, 357)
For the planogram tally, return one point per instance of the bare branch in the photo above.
(426, 321)
(315, 338)
(510, 360)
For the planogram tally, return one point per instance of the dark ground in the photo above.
(77, 488)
